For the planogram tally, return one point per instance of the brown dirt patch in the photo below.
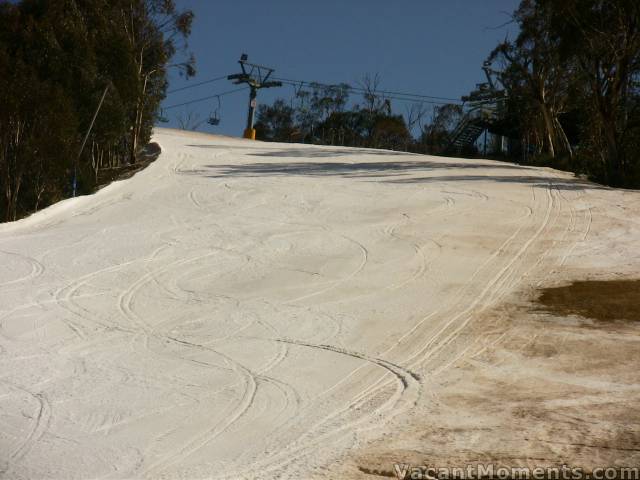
(600, 300)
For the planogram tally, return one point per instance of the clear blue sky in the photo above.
(432, 47)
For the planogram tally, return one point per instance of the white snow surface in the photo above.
(252, 310)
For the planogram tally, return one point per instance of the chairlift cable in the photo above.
(362, 90)
(229, 92)
(204, 82)
(298, 84)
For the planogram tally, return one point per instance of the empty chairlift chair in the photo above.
(214, 118)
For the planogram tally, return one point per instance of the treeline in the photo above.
(57, 60)
(321, 114)
(572, 79)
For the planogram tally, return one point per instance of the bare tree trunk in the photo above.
(563, 137)
(548, 130)
(133, 147)
(615, 168)
(14, 170)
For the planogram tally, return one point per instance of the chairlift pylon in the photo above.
(214, 118)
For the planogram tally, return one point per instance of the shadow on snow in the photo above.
(394, 172)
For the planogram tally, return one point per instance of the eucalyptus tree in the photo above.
(156, 30)
(603, 38)
(537, 77)
(57, 58)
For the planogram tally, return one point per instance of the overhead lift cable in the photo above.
(386, 93)
(204, 82)
(393, 95)
(228, 92)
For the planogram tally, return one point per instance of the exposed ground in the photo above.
(607, 301)
(249, 310)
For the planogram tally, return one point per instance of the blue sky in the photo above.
(431, 47)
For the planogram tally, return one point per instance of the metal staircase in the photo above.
(485, 106)
(474, 122)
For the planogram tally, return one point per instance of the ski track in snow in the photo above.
(225, 315)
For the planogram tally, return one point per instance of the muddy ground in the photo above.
(558, 384)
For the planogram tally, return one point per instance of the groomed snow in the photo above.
(250, 310)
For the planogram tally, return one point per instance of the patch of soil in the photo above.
(600, 300)
(377, 472)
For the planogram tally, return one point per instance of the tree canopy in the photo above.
(575, 67)
(57, 58)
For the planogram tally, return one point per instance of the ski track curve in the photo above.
(41, 419)
(36, 269)
(190, 280)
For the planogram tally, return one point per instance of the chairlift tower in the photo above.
(257, 77)
(487, 105)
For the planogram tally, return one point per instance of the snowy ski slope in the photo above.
(250, 310)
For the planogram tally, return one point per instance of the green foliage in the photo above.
(537, 79)
(572, 79)
(390, 132)
(56, 60)
(435, 135)
(320, 115)
(604, 38)
(275, 122)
